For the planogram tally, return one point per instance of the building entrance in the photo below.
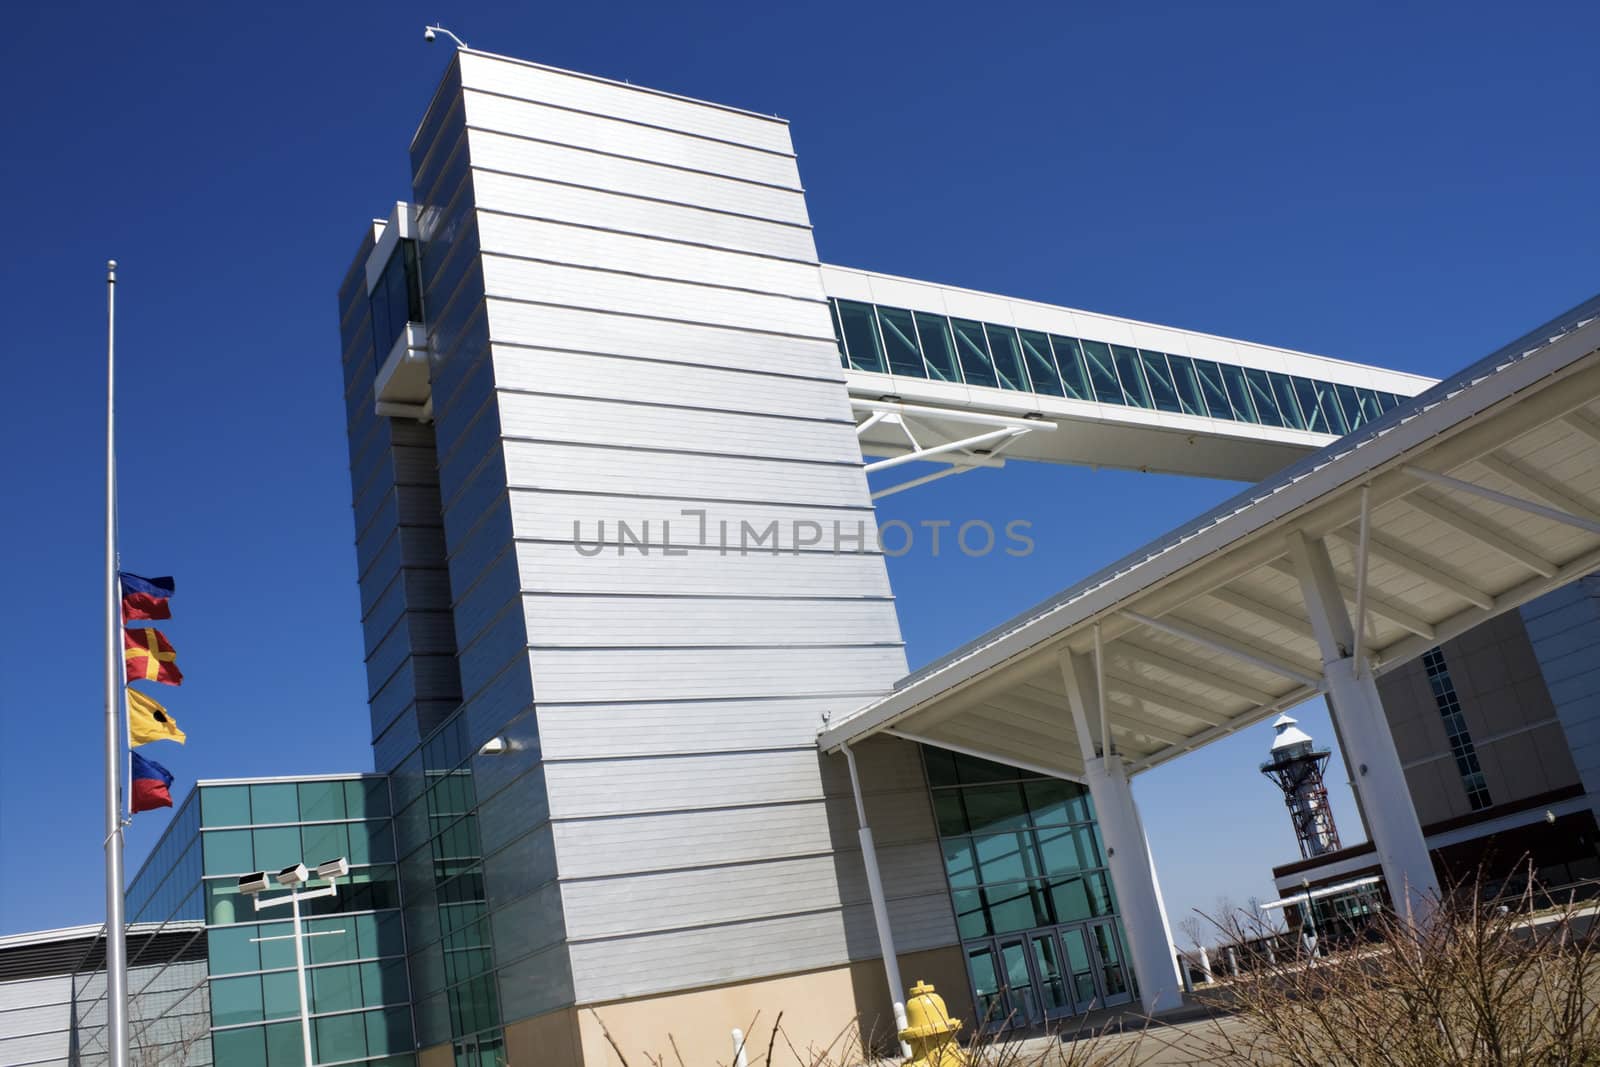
(1039, 976)
(1032, 897)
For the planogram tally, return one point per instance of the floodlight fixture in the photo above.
(331, 869)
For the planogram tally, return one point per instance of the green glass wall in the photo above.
(450, 925)
(355, 944)
(1020, 851)
(922, 344)
(1032, 896)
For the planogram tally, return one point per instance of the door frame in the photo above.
(1056, 934)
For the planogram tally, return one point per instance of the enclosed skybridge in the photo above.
(971, 379)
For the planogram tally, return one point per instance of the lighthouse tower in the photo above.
(1296, 767)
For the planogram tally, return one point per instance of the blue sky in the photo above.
(1408, 185)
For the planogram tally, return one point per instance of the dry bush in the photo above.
(1476, 985)
(770, 1046)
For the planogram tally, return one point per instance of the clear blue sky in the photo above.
(1409, 185)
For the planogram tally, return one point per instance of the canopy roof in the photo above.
(1479, 495)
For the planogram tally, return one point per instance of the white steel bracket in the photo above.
(994, 434)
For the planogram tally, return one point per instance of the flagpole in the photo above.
(116, 931)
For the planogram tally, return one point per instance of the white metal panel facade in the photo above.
(661, 343)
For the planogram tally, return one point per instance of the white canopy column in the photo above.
(1364, 734)
(1133, 874)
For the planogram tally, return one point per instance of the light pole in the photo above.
(1311, 920)
(289, 877)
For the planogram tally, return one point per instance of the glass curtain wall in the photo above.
(1033, 899)
(355, 943)
(169, 1017)
(451, 946)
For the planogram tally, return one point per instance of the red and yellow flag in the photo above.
(149, 657)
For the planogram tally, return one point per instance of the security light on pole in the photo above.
(295, 875)
(430, 33)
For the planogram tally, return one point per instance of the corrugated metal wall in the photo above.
(660, 342)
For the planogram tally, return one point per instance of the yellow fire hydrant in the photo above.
(930, 1031)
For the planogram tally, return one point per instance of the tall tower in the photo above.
(1296, 767)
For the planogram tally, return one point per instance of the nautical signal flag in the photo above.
(145, 598)
(148, 721)
(150, 657)
(151, 785)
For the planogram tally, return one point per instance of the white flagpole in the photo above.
(116, 931)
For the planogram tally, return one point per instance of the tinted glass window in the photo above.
(228, 852)
(236, 1000)
(1102, 373)
(1350, 404)
(245, 1048)
(838, 333)
(1187, 384)
(274, 803)
(861, 336)
(1288, 406)
(1070, 362)
(225, 805)
(900, 340)
(974, 352)
(1370, 408)
(278, 847)
(1041, 368)
(996, 807)
(321, 800)
(1007, 357)
(1260, 389)
(938, 349)
(1212, 390)
(1308, 393)
(1238, 392)
(1132, 378)
(396, 299)
(1159, 376)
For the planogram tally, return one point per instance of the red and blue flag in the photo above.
(151, 785)
(145, 598)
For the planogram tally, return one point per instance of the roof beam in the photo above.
(1228, 645)
(1458, 624)
(1141, 655)
(1118, 682)
(1579, 515)
(1169, 732)
(1135, 721)
(1384, 548)
(1584, 423)
(1238, 722)
(993, 737)
(1538, 485)
(1480, 531)
(1286, 620)
(1378, 606)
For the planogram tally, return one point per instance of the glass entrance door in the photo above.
(1053, 993)
(1045, 974)
(1115, 981)
(1082, 976)
(1021, 987)
(986, 992)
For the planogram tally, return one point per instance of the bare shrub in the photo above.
(1478, 984)
(771, 1046)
